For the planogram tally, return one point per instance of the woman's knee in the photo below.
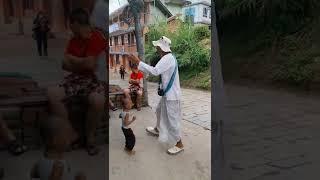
(139, 93)
(55, 94)
(126, 91)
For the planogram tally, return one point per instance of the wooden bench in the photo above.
(23, 105)
(116, 97)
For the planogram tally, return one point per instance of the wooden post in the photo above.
(57, 14)
(20, 16)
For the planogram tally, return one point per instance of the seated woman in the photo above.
(81, 60)
(135, 85)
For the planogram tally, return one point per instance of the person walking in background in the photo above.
(122, 71)
(40, 33)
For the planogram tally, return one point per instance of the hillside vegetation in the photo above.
(191, 46)
(270, 41)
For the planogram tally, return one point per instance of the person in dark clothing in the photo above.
(122, 71)
(40, 33)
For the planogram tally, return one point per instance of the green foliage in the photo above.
(202, 32)
(186, 45)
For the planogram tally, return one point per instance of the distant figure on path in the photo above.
(40, 33)
(122, 71)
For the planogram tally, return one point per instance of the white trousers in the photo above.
(169, 121)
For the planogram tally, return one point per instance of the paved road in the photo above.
(273, 134)
(196, 104)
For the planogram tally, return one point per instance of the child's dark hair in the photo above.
(80, 16)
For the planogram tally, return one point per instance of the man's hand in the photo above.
(133, 59)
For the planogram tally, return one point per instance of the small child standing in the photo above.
(127, 131)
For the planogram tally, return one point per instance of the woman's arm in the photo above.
(73, 63)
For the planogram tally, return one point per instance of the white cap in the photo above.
(163, 43)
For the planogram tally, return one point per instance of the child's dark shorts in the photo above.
(130, 138)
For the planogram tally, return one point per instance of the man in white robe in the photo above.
(168, 111)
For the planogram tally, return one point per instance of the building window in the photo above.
(28, 4)
(205, 12)
(116, 41)
(190, 14)
(129, 39)
(132, 38)
(122, 40)
(126, 38)
(111, 41)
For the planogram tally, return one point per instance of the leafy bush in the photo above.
(297, 70)
(186, 45)
(201, 32)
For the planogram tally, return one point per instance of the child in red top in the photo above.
(135, 85)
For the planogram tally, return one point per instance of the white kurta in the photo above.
(169, 108)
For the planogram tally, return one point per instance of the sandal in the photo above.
(152, 131)
(16, 149)
(92, 150)
(174, 150)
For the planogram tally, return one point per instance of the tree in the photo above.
(136, 7)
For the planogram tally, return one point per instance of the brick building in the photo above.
(19, 14)
(121, 33)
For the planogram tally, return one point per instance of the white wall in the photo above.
(199, 8)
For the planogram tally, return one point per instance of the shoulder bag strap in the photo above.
(172, 78)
